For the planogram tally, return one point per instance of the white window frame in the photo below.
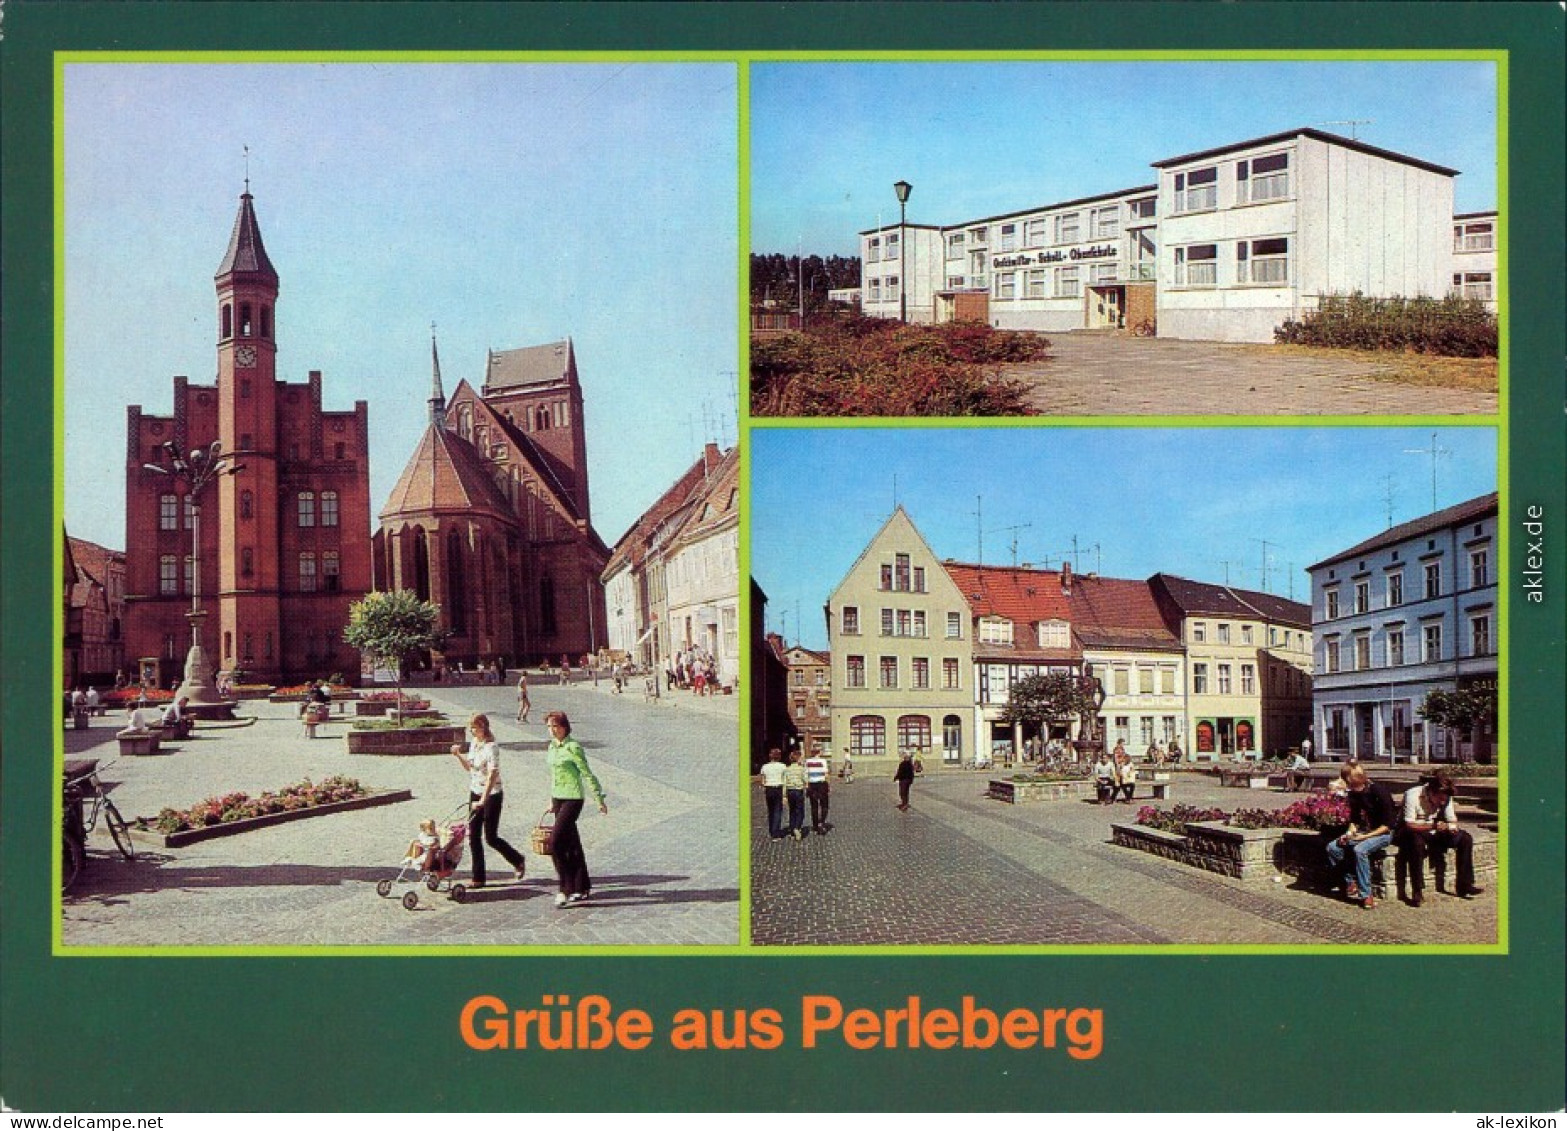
(1431, 643)
(1263, 262)
(1069, 282)
(955, 247)
(954, 626)
(873, 250)
(1204, 197)
(1201, 271)
(1270, 185)
(1035, 284)
(1036, 232)
(1006, 286)
(1008, 237)
(1476, 285)
(1069, 227)
(1105, 223)
(1395, 647)
(1474, 235)
(995, 630)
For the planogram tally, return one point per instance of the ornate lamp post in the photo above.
(903, 188)
(196, 471)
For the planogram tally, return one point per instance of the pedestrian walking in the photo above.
(908, 766)
(773, 772)
(524, 704)
(569, 771)
(794, 790)
(818, 789)
(485, 797)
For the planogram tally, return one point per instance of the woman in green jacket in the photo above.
(568, 771)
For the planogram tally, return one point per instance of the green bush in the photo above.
(420, 723)
(876, 367)
(1448, 327)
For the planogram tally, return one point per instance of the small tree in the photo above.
(392, 627)
(1038, 699)
(1471, 709)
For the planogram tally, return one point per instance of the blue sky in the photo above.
(511, 204)
(1194, 502)
(828, 140)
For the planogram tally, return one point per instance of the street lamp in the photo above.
(903, 188)
(200, 468)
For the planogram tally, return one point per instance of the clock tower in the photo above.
(248, 564)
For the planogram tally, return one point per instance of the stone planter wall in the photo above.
(1030, 792)
(233, 828)
(380, 708)
(416, 740)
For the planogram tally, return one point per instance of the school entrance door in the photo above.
(1106, 308)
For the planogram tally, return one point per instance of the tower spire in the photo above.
(437, 396)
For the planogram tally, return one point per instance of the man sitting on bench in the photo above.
(1430, 828)
(1298, 774)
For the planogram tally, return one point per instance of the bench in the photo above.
(139, 741)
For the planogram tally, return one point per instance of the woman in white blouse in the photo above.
(483, 763)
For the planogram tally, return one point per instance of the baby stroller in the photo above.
(436, 870)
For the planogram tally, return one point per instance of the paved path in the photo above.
(962, 869)
(665, 861)
(1097, 374)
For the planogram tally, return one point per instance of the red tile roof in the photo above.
(1104, 612)
(445, 473)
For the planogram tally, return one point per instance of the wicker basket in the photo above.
(542, 839)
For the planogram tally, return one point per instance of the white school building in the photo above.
(1225, 245)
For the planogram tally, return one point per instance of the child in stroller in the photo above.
(422, 848)
(433, 857)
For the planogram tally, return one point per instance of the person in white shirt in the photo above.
(817, 787)
(1298, 773)
(1428, 829)
(772, 791)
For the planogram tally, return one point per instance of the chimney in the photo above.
(1066, 578)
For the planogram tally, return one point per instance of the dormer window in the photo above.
(995, 630)
(1054, 634)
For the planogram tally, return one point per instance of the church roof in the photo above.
(445, 474)
(531, 365)
(246, 252)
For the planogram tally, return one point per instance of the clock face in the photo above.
(245, 356)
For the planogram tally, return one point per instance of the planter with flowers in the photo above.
(237, 812)
(430, 735)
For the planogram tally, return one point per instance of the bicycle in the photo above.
(97, 803)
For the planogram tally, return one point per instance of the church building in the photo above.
(285, 541)
(490, 518)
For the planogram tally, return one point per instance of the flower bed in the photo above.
(300, 691)
(367, 708)
(128, 696)
(422, 736)
(251, 690)
(425, 721)
(239, 812)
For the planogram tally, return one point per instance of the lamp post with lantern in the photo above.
(196, 470)
(903, 188)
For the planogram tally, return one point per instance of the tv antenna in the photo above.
(1013, 531)
(1435, 452)
(1353, 124)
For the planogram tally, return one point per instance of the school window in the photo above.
(954, 626)
(875, 290)
(978, 234)
(168, 512)
(1006, 285)
(1264, 262)
(1143, 209)
(851, 620)
(1068, 282)
(1035, 283)
(1197, 265)
(1198, 190)
(1479, 569)
(892, 247)
(1034, 234)
(1268, 178)
(328, 508)
(1068, 228)
(955, 245)
(307, 573)
(873, 251)
(889, 671)
(1224, 679)
(168, 575)
(867, 736)
(1199, 679)
(1473, 285)
(1106, 223)
(921, 673)
(1395, 590)
(1433, 580)
(1395, 647)
(1433, 643)
(950, 679)
(891, 290)
(1480, 636)
(1008, 238)
(1100, 274)
(1362, 596)
(855, 671)
(330, 571)
(307, 508)
(1476, 236)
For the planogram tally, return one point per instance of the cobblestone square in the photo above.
(962, 869)
(665, 861)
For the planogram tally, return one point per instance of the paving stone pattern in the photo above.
(962, 869)
(1100, 374)
(665, 861)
